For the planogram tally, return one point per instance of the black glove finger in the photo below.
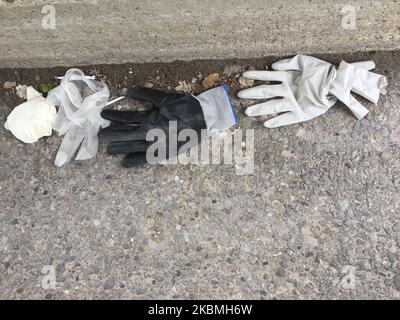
(156, 97)
(130, 117)
(125, 147)
(134, 160)
(113, 134)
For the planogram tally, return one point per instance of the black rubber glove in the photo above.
(128, 130)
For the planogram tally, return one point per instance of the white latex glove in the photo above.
(356, 77)
(81, 100)
(302, 93)
(32, 119)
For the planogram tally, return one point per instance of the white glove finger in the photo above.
(266, 75)
(347, 99)
(374, 79)
(371, 93)
(269, 107)
(69, 145)
(283, 120)
(368, 85)
(288, 64)
(264, 92)
(355, 107)
(298, 63)
(366, 65)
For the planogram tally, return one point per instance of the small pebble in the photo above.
(109, 284)
(9, 84)
(245, 82)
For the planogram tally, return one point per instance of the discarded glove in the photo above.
(356, 77)
(32, 119)
(81, 100)
(302, 93)
(132, 132)
(309, 87)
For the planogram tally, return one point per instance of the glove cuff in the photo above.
(217, 109)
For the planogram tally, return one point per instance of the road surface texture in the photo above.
(318, 219)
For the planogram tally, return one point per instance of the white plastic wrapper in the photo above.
(32, 119)
(81, 100)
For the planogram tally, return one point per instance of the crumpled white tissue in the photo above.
(81, 100)
(32, 119)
